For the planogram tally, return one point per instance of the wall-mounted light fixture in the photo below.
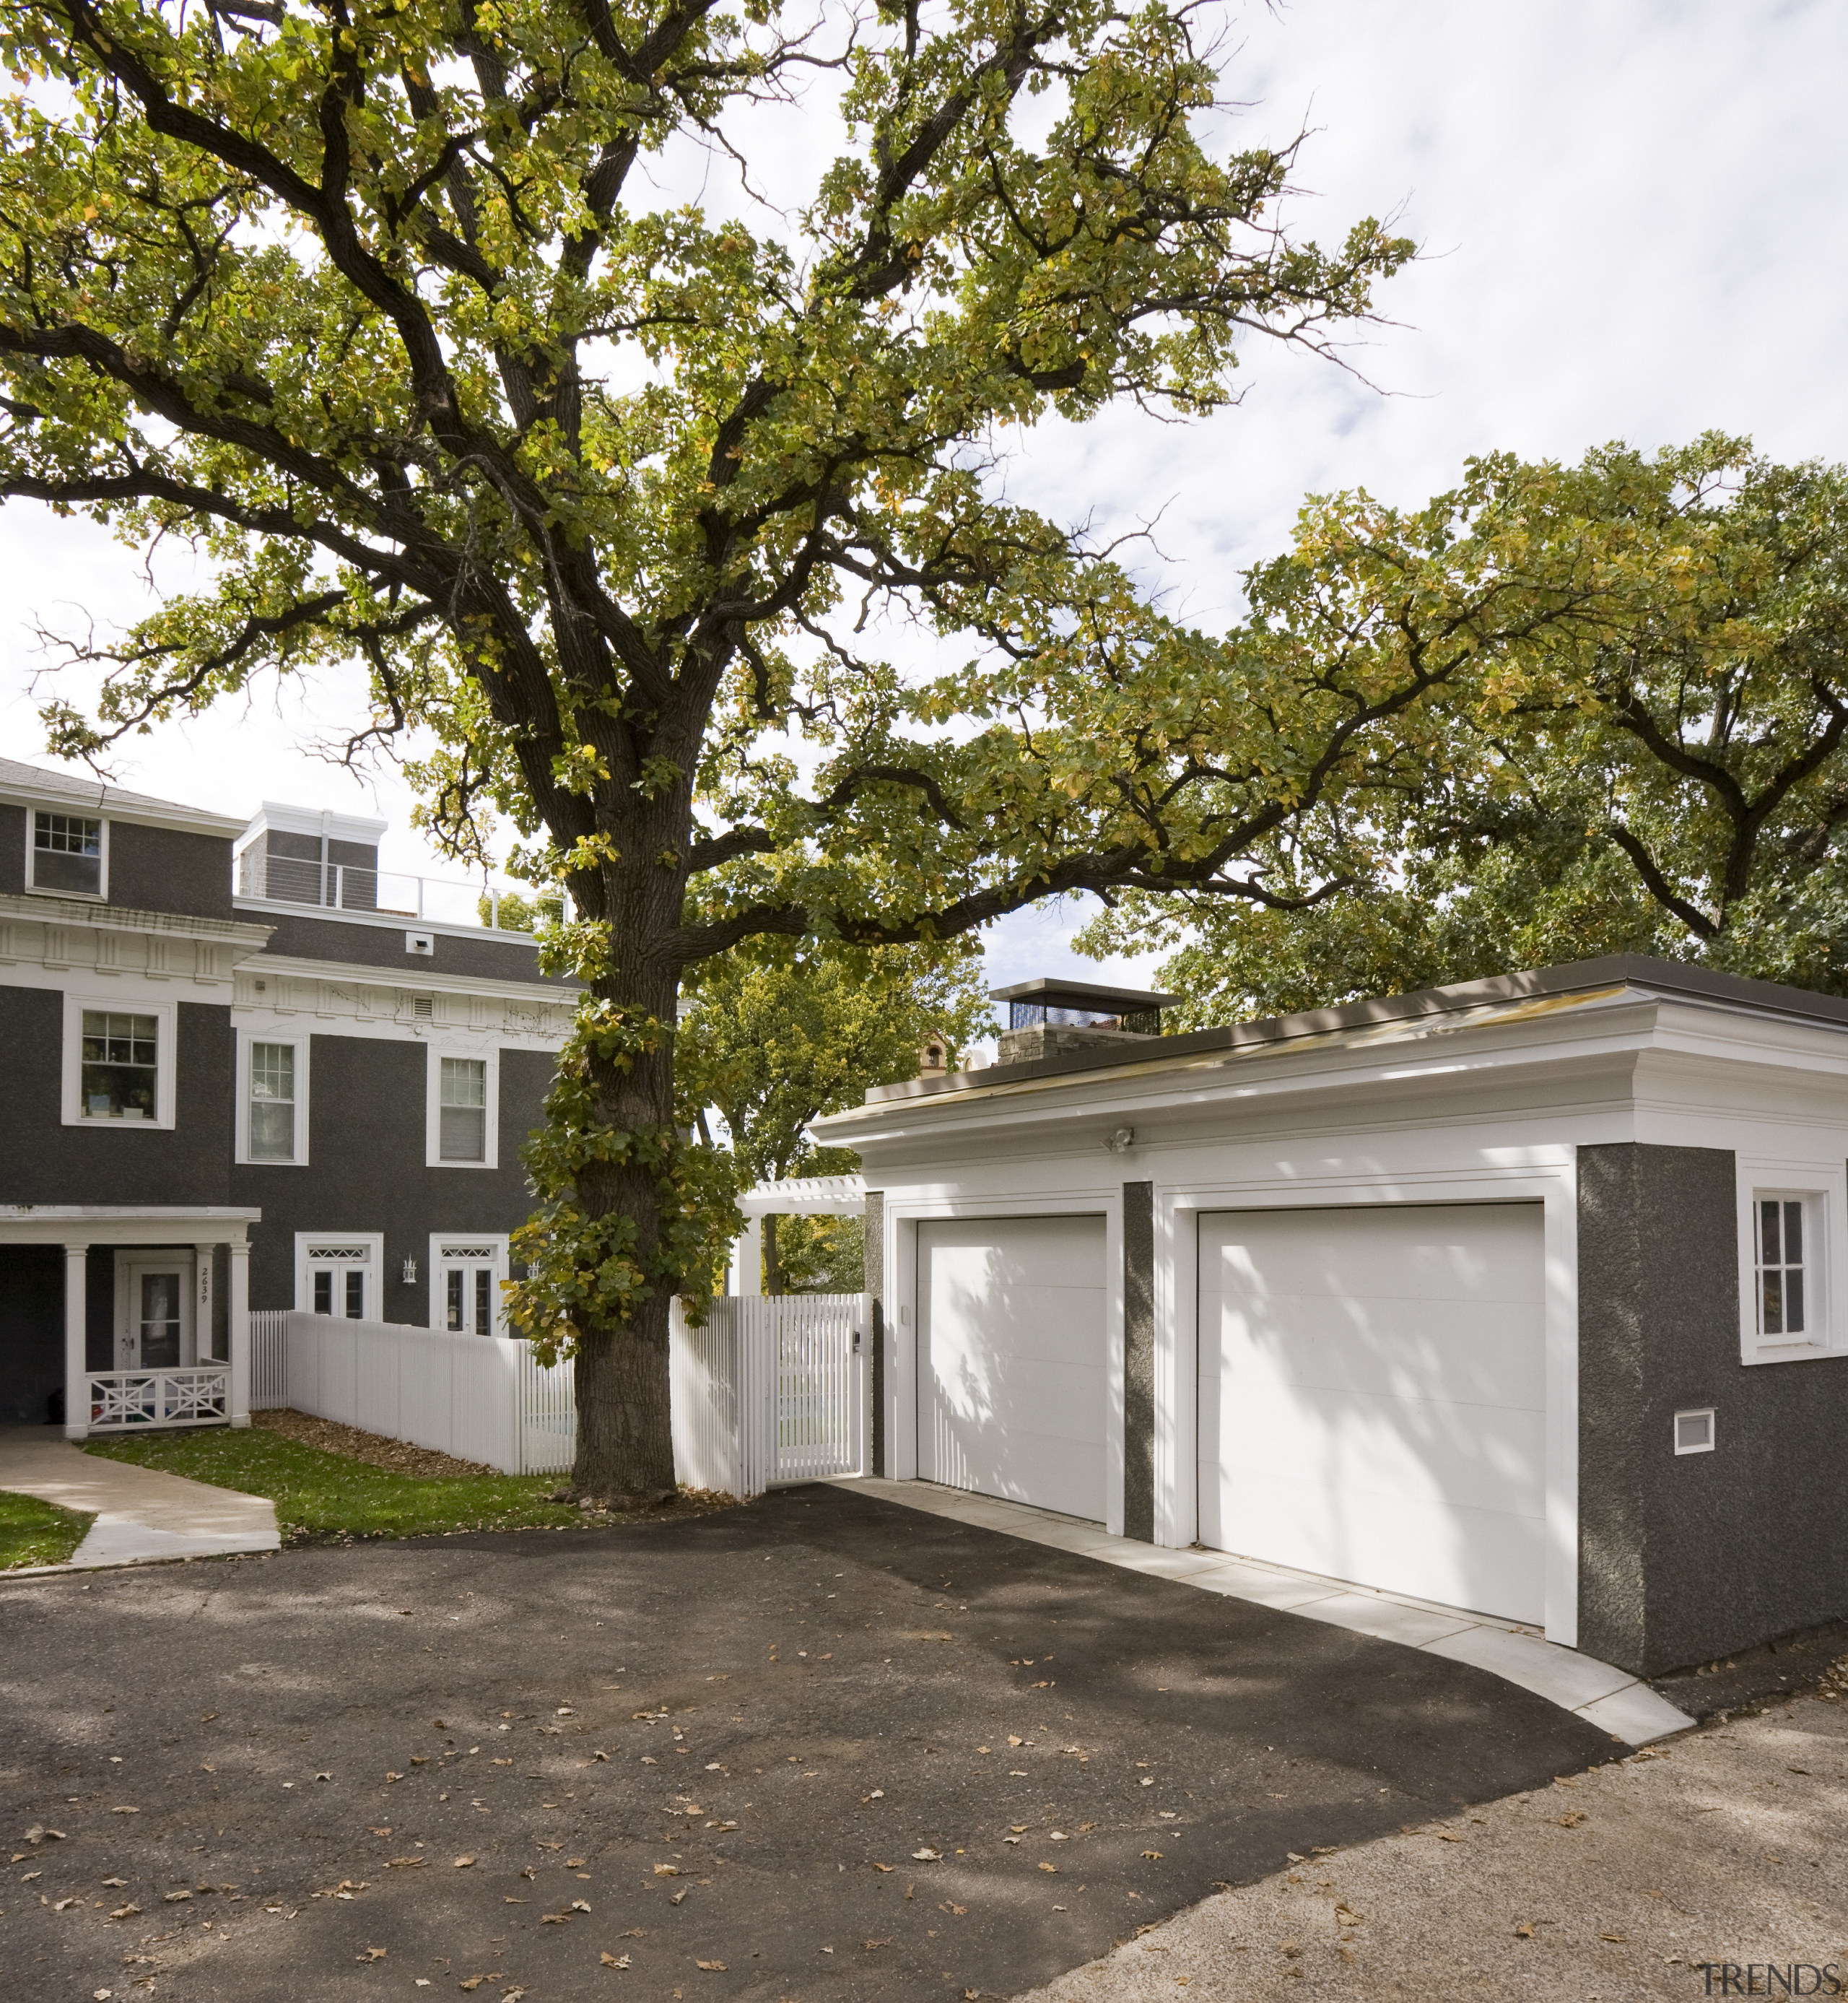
(1122, 1140)
(411, 1272)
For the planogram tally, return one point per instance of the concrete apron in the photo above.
(143, 1516)
(1611, 1699)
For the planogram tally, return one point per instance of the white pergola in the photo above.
(798, 1196)
(214, 1393)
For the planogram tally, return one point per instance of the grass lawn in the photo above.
(32, 1532)
(323, 1495)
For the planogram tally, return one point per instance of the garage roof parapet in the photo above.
(1636, 971)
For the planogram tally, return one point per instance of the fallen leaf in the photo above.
(1053, 1867)
(884, 1867)
(667, 1871)
(473, 1982)
(1147, 1781)
(614, 1960)
(575, 1863)
(124, 1912)
(928, 1856)
(675, 1898)
(407, 1863)
(1014, 1738)
(106, 1881)
(76, 1898)
(1289, 1948)
(124, 1811)
(580, 1905)
(711, 1967)
(1525, 1931)
(554, 1919)
(462, 1863)
(175, 1898)
(1444, 1836)
(1571, 1819)
(1611, 1937)
(950, 1906)
(869, 1946)
(1155, 1854)
(372, 1954)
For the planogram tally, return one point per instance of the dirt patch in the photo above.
(396, 1456)
(1814, 1659)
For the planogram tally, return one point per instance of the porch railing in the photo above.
(125, 1400)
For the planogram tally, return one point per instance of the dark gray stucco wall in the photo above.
(150, 869)
(43, 1161)
(366, 1170)
(1682, 1557)
(162, 869)
(1139, 1360)
(875, 1286)
(373, 944)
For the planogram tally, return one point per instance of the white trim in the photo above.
(390, 921)
(496, 1241)
(431, 980)
(373, 1267)
(99, 895)
(165, 1015)
(299, 1040)
(439, 1048)
(1823, 1191)
(362, 830)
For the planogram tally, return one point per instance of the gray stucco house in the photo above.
(1528, 1296)
(235, 1080)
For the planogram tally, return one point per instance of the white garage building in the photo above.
(1529, 1296)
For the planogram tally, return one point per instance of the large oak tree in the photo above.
(622, 499)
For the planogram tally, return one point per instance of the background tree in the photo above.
(778, 1040)
(1674, 783)
(617, 497)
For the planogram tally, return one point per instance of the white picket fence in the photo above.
(770, 1389)
(482, 1398)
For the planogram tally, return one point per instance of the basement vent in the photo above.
(1694, 1431)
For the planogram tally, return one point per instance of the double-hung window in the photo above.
(1789, 1255)
(462, 1116)
(272, 1102)
(68, 856)
(119, 1077)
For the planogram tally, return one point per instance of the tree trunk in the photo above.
(625, 1435)
(773, 1266)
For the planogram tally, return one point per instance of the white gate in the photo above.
(771, 1389)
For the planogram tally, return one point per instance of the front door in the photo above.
(154, 1325)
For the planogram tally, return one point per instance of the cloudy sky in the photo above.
(1634, 218)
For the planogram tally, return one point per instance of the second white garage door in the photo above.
(1011, 1376)
(1372, 1397)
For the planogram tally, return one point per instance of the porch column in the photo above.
(747, 1259)
(239, 1318)
(77, 1357)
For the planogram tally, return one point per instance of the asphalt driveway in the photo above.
(819, 1747)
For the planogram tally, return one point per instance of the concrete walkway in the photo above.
(143, 1516)
(1611, 1699)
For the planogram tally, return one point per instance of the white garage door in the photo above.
(1372, 1397)
(1011, 1379)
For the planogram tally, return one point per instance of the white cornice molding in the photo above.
(38, 908)
(419, 977)
(390, 921)
(362, 829)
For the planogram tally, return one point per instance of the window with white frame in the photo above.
(462, 1091)
(466, 1274)
(118, 1062)
(272, 1124)
(338, 1273)
(68, 856)
(1785, 1262)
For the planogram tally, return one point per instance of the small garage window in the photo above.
(1785, 1247)
(1783, 1293)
